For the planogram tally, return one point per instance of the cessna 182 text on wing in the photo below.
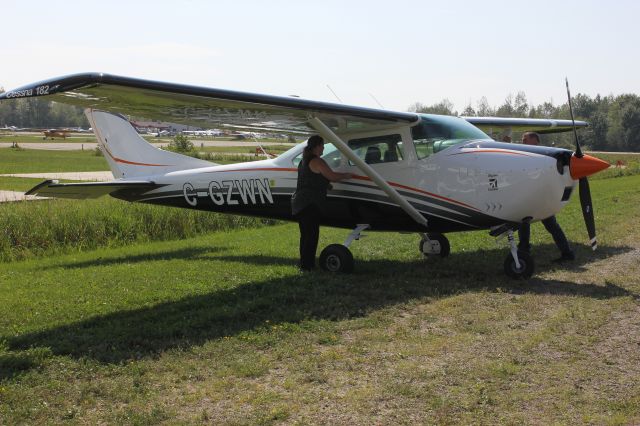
(411, 172)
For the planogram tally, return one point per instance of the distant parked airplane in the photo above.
(56, 133)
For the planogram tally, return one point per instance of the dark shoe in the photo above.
(526, 249)
(566, 257)
(305, 268)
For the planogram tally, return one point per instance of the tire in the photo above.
(526, 266)
(336, 258)
(441, 240)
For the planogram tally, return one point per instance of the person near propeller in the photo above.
(580, 166)
(550, 223)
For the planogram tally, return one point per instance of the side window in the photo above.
(378, 149)
(296, 160)
(331, 155)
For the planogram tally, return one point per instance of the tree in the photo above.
(484, 109)
(521, 107)
(469, 111)
(444, 107)
(506, 109)
(630, 121)
(595, 135)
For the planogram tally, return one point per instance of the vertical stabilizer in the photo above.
(128, 154)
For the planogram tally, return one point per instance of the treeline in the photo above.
(40, 113)
(614, 121)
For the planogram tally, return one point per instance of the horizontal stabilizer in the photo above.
(81, 191)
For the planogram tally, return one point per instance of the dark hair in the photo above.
(532, 135)
(312, 143)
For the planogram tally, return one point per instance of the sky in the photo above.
(396, 52)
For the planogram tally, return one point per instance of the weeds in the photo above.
(31, 229)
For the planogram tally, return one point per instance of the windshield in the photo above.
(437, 132)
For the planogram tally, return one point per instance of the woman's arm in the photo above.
(318, 165)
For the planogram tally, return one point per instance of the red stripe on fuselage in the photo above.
(366, 178)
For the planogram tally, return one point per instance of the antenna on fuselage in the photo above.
(334, 94)
(378, 102)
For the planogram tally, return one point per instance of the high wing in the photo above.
(209, 107)
(206, 107)
(541, 125)
(81, 191)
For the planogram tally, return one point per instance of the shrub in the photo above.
(180, 143)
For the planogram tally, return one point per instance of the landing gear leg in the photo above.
(338, 257)
(435, 244)
(518, 264)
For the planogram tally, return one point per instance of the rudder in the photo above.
(128, 154)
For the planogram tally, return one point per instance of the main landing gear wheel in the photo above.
(336, 258)
(526, 266)
(435, 245)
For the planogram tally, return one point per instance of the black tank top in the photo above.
(311, 188)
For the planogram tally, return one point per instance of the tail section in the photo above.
(128, 154)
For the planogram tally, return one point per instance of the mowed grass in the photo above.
(41, 161)
(223, 329)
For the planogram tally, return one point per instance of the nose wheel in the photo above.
(524, 269)
(518, 264)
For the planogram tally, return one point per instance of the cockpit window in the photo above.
(378, 149)
(437, 132)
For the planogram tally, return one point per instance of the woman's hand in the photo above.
(318, 165)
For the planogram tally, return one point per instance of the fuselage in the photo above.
(456, 182)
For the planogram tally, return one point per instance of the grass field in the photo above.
(223, 329)
(40, 161)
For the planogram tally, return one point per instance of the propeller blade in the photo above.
(587, 211)
(578, 152)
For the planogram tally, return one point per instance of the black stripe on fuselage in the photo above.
(557, 153)
(346, 209)
(449, 210)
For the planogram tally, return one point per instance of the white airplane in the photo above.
(412, 172)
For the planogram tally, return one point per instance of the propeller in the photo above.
(582, 166)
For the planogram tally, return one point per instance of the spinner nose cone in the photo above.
(585, 166)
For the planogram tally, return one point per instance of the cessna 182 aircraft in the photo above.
(412, 172)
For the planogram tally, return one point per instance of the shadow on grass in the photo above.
(13, 363)
(147, 332)
(185, 253)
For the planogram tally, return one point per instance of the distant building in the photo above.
(159, 126)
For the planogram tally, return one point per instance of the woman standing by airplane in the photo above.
(307, 203)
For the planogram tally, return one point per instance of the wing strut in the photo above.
(330, 136)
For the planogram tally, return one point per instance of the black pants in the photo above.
(551, 225)
(309, 223)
